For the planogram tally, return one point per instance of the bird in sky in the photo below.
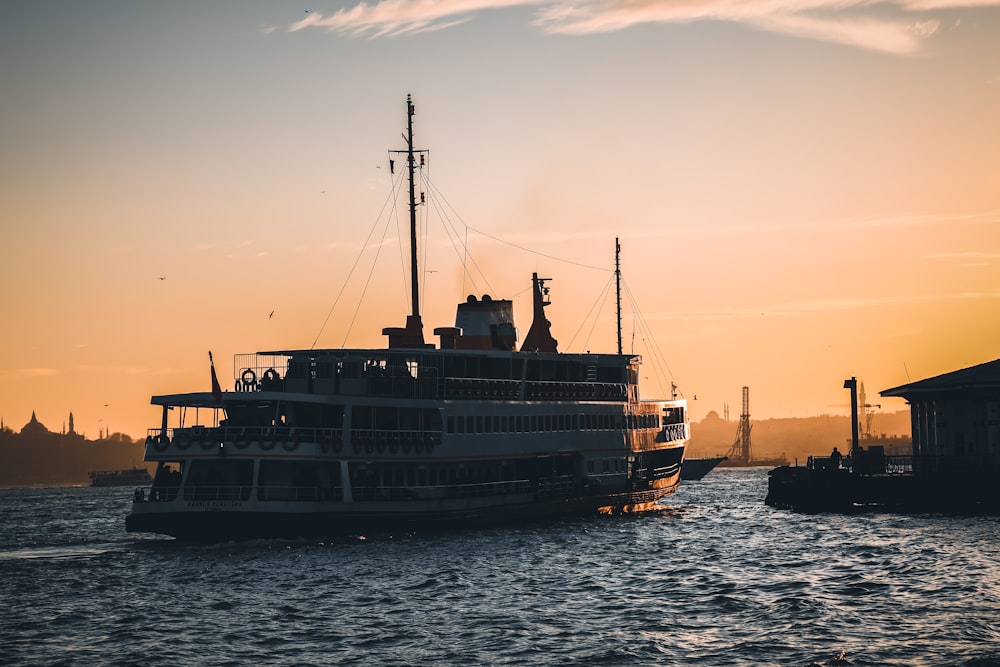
(271, 315)
(163, 277)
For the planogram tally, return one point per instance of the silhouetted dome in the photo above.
(34, 426)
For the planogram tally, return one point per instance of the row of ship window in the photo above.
(544, 423)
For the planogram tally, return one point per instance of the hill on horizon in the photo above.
(795, 437)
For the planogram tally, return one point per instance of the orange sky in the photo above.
(803, 191)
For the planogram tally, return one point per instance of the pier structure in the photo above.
(955, 461)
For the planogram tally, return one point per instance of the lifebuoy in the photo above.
(338, 443)
(248, 377)
(326, 445)
(182, 441)
(162, 442)
(291, 444)
(271, 375)
(207, 443)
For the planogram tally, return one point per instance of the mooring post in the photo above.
(852, 384)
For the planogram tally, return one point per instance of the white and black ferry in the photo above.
(465, 431)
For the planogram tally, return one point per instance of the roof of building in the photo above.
(983, 376)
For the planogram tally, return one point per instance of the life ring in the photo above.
(326, 444)
(338, 443)
(271, 375)
(208, 443)
(242, 442)
(291, 444)
(182, 441)
(266, 443)
(162, 442)
(248, 377)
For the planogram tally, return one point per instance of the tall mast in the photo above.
(414, 285)
(411, 335)
(618, 292)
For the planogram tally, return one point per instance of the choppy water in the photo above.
(716, 578)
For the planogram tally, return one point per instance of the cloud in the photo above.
(891, 26)
(30, 372)
(929, 220)
(832, 304)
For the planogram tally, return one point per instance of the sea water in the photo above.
(715, 577)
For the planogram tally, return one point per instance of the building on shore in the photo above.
(955, 421)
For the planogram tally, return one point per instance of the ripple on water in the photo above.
(718, 579)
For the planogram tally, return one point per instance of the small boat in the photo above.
(695, 469)
(130, 477)
(468, 431)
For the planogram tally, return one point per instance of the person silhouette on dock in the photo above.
(836, 458)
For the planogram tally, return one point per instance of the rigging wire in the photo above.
(461, 247)
(361, 252)
(656, 354)
(514, 245)
(354, 317)
(599, 305)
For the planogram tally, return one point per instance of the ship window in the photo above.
(479, 423)
(451, 424)
(213, 479)
(361, 417)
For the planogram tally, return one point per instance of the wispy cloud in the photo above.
(928, 220)
(832, 304)
(891, 26)
(964, 255)
(29, 372)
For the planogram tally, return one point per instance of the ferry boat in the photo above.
(465, 431)
(128, 477)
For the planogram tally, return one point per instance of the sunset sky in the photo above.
(805, 190)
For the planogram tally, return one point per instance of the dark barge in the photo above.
(695, 469)
(954, 467)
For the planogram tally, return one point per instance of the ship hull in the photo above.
(231, 520)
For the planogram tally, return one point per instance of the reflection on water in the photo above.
(713, 577)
